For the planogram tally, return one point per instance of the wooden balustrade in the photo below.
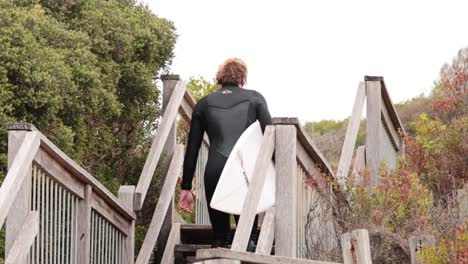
(78, 219)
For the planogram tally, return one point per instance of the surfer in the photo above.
(224, 115)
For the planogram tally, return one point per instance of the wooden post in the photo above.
(21, 206)
(169, 83)
(356, 247)
(84, 226)
(126, 193)
(417, 242)
(373, 131)
(286, 197)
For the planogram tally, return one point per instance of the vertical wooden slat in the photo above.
(34, 208)
(286, 215)
(91, 261)
(46, 217)
(42, 215)
(54, 222)
(62, 225)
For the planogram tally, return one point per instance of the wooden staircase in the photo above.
(61, 210)
(194, 237)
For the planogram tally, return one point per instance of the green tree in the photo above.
(83, 72)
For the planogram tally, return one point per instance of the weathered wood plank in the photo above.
(20, 167)
(242, 235)
(157, 146)
(390, 128)
(125, 195)
(107, 212)
(351, 134)
(286, 196)
(22, 244)
(84, 225)
(60, 174)
(174, 239)
(373, 131)
(84, 176)
(252, 257)
(356, 247)
(161, 208)
(267, 233)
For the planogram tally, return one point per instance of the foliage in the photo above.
(84, 77)
(329, 137)
(418, 197)
(200, 87)
(451, 250)
(83, 72)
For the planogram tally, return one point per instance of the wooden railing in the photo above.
(77, 220)
(68, 216)
(384, 131)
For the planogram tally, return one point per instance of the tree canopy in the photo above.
(83, 72)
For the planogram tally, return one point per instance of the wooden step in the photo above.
(199, 234)
(185, 253)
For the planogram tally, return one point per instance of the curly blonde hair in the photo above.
(232, 71)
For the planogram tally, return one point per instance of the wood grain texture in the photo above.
(107, 212)
(84, 225)
(157, 146)
(174, 239)
(286, 195)
(249, 208)
(390, 128)
(267, 233)
(19, 168)
(125, 195)
(351, 134)
(22, 244)
(81, 174)
(252, 257)
(59, 173)
(164, 201)
(373, 132)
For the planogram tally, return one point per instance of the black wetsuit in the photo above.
(224, 115)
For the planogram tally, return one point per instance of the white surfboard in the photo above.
(237, 174)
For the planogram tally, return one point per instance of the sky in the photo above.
(308, 57)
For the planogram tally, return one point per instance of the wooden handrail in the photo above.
(17, 173)
(351, 134)
(84, 176)
(163, 204)
(157, 146)
(22, 244)
(249, 208)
